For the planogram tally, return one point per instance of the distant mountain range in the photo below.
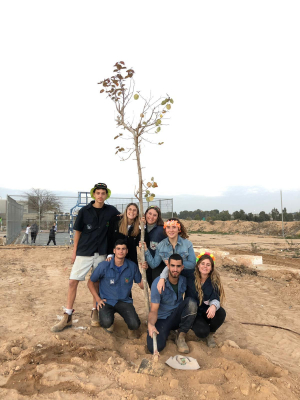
(249, 199)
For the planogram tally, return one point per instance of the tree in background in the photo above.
(42, 201)
(263, 216)
(250, 217)
(239, 215)
(168, 215)
(297, 216)
(214, 213)
(224, 216)
(275, 214)
(287, 216)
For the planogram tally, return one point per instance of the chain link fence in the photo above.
(166, 206)
(69, 207)
(14, 218)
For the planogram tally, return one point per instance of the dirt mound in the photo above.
(81, 368)
(83, 362)
(273, 228)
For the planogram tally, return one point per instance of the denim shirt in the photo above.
(116, 284)
(167, 300)
(164, 250)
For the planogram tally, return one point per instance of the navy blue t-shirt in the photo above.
(93, 226)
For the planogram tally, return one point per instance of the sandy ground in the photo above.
(253, 362)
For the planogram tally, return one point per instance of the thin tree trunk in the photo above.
(142, 252)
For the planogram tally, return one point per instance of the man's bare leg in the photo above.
(95, 315)
(73, 284)
(97, 289)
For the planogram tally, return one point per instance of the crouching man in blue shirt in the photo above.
(116, 279)
(169, 311)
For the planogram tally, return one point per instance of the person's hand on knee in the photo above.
(100, 303)
(211, 312)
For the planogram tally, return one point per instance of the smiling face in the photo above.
(205, 267)
(132, 212)
(151, 216)
(172, 231)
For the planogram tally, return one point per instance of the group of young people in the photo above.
(186, 292)
(34, 229)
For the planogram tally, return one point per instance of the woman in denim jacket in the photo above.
(175, 243)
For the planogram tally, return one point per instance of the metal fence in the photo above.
(14, 217)
(166, 206)
(69, 207)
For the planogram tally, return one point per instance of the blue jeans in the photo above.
(182, 319)
(126, 310)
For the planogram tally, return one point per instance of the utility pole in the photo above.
(281, 213)
(39, 216)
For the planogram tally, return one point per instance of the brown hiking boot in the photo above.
(65, 322)
(181, 344)
(210, 341)
(95, 318)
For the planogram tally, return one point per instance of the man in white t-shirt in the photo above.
(25, 239)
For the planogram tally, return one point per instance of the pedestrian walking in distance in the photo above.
(52, 236)
(25, 239)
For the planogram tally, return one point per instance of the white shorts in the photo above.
(82, 265)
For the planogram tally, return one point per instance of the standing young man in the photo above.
(169, 311)
(90, 247)
(113, 294)
(34, 231)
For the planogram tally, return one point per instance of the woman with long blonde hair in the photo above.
(211, 297)
(126, 227)
(204, 285)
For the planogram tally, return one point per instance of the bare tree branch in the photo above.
(41, 200)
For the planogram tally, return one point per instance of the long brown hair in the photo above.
(183, 232)
(159, 221)
(123, 224)
(215, 279)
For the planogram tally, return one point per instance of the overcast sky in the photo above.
(232, 68)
